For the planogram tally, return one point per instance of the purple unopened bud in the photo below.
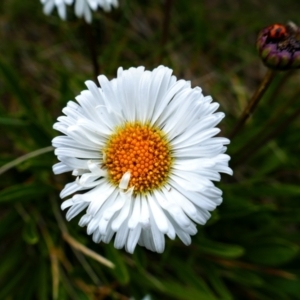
(279, 46)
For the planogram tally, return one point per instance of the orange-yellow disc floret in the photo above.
(143, 151)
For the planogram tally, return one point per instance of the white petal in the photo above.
(79, 7)
(87, 14)
(61, 168)
(62, 11)
(157, 237)
(75, 210)
(79, 153)
(162, 105)
(125, 180)
(85, 219)
(124, 213)
(144, 216)
(133, 237)
(158, 215)
(121, 236)
(97, 236)
(71, 188)
(66, 204)
(107, 238)
(116, 206)
(134, 219)
(48, 7)
(173, 209)
(97, 197)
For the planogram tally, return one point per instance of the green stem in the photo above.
(79, 255)
(252, 145)
(25, 157)
(281, 82)
(89, 32)
(249, 109)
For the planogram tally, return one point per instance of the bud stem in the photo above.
(91, 38)
(249, 109)
(278, 130)
(260, 139)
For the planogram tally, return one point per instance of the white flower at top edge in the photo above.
(144, 153)
(82, 7)
(49, 5)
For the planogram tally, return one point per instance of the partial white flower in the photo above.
(144, 153)
(106, 5)
(49, 5)
(82, 7)
(146, 297)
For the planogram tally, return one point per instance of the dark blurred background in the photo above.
(250, 247)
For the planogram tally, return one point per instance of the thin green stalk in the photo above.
(75, 244)
(78, 254)
(252, 144)
(91, 41)
(281, 82)
(25, 157)
(86, 251)
(52, 254)
(249, 109)
(61, 224)
(67, 284)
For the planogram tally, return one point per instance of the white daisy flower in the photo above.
(144, 153)
(60, 4)
(106, 5)
(82, 7)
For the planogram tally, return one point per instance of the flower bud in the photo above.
(279, 46)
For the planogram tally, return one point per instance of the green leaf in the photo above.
(120, 271)
(217, 283)
(245, 277)
(220, 249)
(9, 222)
(30, 234)
(12, 122)
(12, 80)
(262, 190)
(185, 272)
(38, 135)
(177, 291)
(23, 192)
(27, 289)
(11, 282)
(273, 252)
(290, 286)
(35, 112)
(279, 190)
(43, 281)
(236, 206)
(9, 262)
(37, 164)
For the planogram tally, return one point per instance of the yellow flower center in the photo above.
(143, 151)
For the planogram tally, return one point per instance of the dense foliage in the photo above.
(250, 247)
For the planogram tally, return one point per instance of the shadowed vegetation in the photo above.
(249, 249)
